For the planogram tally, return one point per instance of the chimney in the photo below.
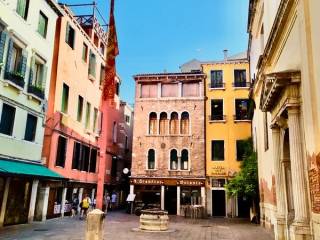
(225, 53)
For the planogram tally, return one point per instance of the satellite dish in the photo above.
(125, 171)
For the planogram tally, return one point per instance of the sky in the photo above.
(160, 35)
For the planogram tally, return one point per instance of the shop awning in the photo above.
(19, 168)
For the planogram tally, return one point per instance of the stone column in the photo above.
(92, 194)
(280, 228)
(4, 201)
(178, 200)
(33, 199)
(300, 228)
(131, 189)
(203, 196)
(63, 201)
(80, 198)
(162, 197)
(45, 192)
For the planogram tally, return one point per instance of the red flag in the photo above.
(109, 87)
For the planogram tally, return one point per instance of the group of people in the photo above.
(86, 204)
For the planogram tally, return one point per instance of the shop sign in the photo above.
(190, 182)
(168, 182)
(149, 181)
(218, 171)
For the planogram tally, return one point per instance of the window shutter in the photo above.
(3, 37)
(44, 76)
(100, 117)
(33, 61)
(23, 63)
(93, 65)
(90, 62)
(9, 56)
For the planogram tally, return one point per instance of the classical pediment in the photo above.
(273, 85)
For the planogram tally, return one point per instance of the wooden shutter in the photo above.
(9, 56)
(23, 63)
(32, 64)
(67, 33)
(43, 76)
(3, 37)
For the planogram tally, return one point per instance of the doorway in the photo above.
(243, 207)
(171, 199)
(218, 203)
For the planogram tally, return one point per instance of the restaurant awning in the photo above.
(19, 168)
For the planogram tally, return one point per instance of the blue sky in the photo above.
(158, 35)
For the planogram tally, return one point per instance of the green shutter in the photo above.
(32, 64)
(43, 77)
(41, 25)
(23, 63)
(9, 56)
(3, 37)
(21, 7)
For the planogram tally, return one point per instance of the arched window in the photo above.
(174, 123)
(184, 123)
(163, 125)
(184, 159)
(151, 159)
(153, 123)
(173, 159)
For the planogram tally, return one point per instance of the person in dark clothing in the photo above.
(75, 203)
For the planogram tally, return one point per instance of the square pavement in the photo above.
(119, 225)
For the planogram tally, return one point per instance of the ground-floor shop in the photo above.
(170, 194)
(219, 204)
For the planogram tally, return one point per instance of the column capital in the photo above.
(280, 122)
(293, 110)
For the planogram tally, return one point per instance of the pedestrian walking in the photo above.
(113, 200)
(85, 204)
(74, 205)
(106, 203)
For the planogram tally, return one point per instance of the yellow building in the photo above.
(227, 125)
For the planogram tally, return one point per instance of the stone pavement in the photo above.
(118, 226)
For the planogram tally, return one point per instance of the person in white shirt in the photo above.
(113, 200)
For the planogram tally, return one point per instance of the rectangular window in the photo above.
(149, 90)
(216, 79)
(42, 24)
(61, 151)
(85, 52)
(37, 78)
(88, 111)
(169, 90)
(217, 109)
(102, 48)
(117, 88)
(217, 150)
(127, 119)
(190, 89)
(92, 64)
(70, 36)
(80, 108)
(16, 59)
(102, 74)
(85, 158)
(114, 167)
(241, 144)
(7, 119)
(95, 118)
(240, 78)
(65, 98)
(93, 160)
(22, 8)
(242, 109)
(31, 128)
(76, 159)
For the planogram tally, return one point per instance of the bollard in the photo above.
(94, 229)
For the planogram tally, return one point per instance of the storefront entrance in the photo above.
(243, 207)
(218, 203)
(171, 199)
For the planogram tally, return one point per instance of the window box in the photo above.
(37, 91)
(15, 77)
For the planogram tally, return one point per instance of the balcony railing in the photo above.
(15, 78)
(216, 85)
(241, 84)
(241, 117)
(217, 117)
(37, 91)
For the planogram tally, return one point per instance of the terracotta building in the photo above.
(168, 159)
(73, 118)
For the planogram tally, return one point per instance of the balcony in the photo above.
(15, 78)
(216, 85)
(238, 84)
(37, 91)
(217, 118)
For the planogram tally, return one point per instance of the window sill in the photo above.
(32, 96)
(152, 170)
(7, 82)
(179, 170)
(217, 121)
(242, 120)
(218, 160)
(59, 167)
(237, 88)
(212, 89)
(91, 77)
